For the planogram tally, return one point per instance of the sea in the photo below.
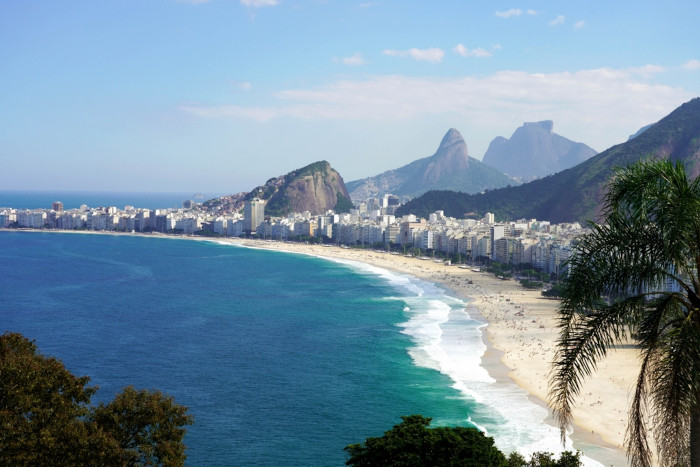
(282, 358)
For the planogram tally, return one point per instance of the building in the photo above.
(57, 206)
(253, 215)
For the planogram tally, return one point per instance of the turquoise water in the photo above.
(282, 359)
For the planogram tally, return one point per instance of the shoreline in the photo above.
(519, 338)
(600, 424)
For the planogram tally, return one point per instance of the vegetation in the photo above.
(343, 204)
(47, 419)
(573, 194)
(644, 262)
(413, 443)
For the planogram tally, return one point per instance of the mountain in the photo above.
(575, 194)
(535, 151)
(315, 188)
(450, 168)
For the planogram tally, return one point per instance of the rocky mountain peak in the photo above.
(534, 151)
(452, 155)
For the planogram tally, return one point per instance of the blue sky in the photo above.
(221, 95)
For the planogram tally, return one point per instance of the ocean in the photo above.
(74, 199)
(282, 358)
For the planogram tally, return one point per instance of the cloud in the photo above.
(599, 106)
(532, 12)
(579, 24)
(355, 59)
(432, 54)
(558, 20)
(258, 3)
(243, 85)
(509, 13)
(465, 52)
(691, 65)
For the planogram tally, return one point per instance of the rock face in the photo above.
(535, 151)
(450, 168)
(315, 188)
(576, 194)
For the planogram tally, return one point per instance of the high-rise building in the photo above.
(253, 215)
(57, 206)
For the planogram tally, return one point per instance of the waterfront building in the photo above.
(253, 215)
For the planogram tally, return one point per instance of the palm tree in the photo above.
(637, 276)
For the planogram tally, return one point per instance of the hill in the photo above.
(450, 168)
(575, 194)
(535, 151)
(315, 188)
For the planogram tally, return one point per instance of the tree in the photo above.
(46, 417)
(644, 263)
(412, 443)
(148, 426)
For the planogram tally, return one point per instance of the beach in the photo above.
(521, 333)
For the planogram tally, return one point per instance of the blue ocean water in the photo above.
(282, 359)
(74, 199)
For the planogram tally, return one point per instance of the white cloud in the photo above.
(599, 107)
(460, 49)
(532, 12)
(647, 71)
(558, 20)
(243, 85)
(692, 65)
(258, 3)
(579, 24)
(355, 59)
(509, 13)
(432, 54)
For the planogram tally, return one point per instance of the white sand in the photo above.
(522, 330)
(521, 334)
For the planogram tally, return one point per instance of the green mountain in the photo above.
(315, 188)
(450, 168)
(575, 194)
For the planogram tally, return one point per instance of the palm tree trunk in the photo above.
(695, 437)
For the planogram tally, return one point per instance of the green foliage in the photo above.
(46, 418)
(573, 194)
(413, 443)
(343, 204)
(528, 284)
(617, 289)
(556, 291)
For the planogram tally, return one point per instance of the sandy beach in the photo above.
(521, 333)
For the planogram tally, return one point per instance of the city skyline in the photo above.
(220, 95)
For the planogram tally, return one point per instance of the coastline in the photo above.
(520, 335)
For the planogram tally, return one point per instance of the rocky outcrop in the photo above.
(535, 151)
(450, 168)
(314, 188)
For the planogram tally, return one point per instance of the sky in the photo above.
(221, 95)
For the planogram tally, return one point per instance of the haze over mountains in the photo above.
(535, 151)
(450, 168)
(575, 194)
